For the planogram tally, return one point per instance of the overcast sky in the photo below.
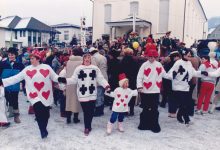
(69, 11)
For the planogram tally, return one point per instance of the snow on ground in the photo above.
(204, 134)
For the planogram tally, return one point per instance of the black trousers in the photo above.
(192, 102)
(12, 99)
(88, 112)
(150, 114)
(173, 104)
(131, 104)
(184, 103)
(42, 114)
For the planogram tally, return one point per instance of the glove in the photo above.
(107, 88)
(62, 80)
(174, 74)
(205, 73)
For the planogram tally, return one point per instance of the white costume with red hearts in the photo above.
(150, 77)
(3, 118)
(86, 78)
(38, 83)
(122, 98)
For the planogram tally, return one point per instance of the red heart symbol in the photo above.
(147, 72)
(125, 105)
(44, 72)
(33, 95)
(39, 86)
(159, 70)
(147, 85)
(122, 100)
(117, 104)
(31, 73)
(159, 84)
(46, 94)
(126, 96)
(119, 95)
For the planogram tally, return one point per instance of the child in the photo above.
(122, 95)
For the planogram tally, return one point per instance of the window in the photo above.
(20, 33)
(34, 37)
(134, 6)
(57, 37)
(66, 37)
(107, 15)
(16, 36)
(29, 37)
(163, 16)
(66, 31)
(24, 33)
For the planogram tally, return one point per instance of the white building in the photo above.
(67, 32)
(185, 18)
(23, 32)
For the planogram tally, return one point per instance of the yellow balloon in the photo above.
(135, 45)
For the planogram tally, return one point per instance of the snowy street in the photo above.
(202, 135)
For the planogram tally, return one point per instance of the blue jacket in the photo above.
(8, 70)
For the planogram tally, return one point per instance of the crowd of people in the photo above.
(119, 74)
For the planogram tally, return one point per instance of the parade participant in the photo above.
(3, 118)
(72, 102)
(167, 93)
(87, 76)
(166, 45)
(129, 66)
(9, 68)
(149, 46)
(181, 73)
(207, 86)
(38, 79)
(149, 81)
(122, 95)
(101, 63)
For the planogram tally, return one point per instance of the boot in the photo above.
(120, 127)
(109, 128)
(16, 116)
(75, 118)
(31, 110)
(10, 110)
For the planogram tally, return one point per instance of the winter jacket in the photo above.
(8, 70)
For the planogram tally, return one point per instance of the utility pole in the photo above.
(134, 21)
(184, 22)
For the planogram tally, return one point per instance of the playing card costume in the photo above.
(86, 78)
(121, 96)
(181, 73)
(3, 118)
(39, 91)
(149, 79)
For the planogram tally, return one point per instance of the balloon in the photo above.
(135, 45)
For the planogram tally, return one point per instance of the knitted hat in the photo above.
(122, 79)
(152, 53)
(184, 51)
(36, 53)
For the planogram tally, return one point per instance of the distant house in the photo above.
(67, 32)
(23, 32)
(185, 18)
(215, 33)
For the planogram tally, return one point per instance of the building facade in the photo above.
(23, 32)
(185, 18)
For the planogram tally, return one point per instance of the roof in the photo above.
(9, 22)
(129, 21)
(65, 25)
(30, 23)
